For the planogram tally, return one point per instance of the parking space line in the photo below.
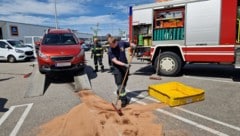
(211, 79)
(5, 115)
(210, 119)
(213, 131)
(202, 116)
(20, 121)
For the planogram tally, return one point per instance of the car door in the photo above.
(3, 50)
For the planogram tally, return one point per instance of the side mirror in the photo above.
(37, 43)
(7, 46)
(81, 41)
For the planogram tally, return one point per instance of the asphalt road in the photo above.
(218, 114)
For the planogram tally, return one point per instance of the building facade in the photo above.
(15, 30)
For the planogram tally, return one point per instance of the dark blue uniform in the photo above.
(119, 71)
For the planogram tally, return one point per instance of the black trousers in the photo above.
(98, 60)
(110, 62)
(119, 73)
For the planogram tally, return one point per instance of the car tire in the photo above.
(11, 59)
(170, 64)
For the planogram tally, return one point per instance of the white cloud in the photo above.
(41, 8)
(104, 19)
(106, 24)
(74, 14)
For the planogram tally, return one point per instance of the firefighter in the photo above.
(97, 55)
(120, 63)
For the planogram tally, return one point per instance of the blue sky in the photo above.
(82, 15)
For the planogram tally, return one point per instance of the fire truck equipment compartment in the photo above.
(175, 93)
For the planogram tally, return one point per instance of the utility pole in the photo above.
(56, 22)
(112, 21)
(121, 32)
(95, 30)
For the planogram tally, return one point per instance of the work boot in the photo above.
(102, 68)
(96, 70)
(125, 101)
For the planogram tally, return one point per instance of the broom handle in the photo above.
(126, 74)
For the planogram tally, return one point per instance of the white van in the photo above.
(14, 50)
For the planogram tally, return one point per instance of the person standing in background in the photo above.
(97, 55)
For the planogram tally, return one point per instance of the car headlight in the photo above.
(81, 53)
(42, 55)
(19, 51)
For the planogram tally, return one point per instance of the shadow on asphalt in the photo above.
(90, 72)
(135, 94)
(3, 101)
(24, 61)
(67, 77)
(212, 70)
(4, 79)
(201, 70)
(145, 71)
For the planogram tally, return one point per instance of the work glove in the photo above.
(133, 46)
(127, 65)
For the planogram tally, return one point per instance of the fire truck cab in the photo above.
(187, 31)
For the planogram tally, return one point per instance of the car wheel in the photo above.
(170, 64)
(11, 59)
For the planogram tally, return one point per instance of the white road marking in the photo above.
(210, 119)
(213, 131)
(212, 79)
(187, 120)
(20, 121)
(201, 116)
(5, 115)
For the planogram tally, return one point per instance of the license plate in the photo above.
(63, 64)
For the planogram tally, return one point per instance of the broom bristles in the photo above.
(155, 77)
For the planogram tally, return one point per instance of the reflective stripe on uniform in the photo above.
(98, 54)
(122, 94)
(98, 48)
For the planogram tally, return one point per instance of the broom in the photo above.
(156, 76)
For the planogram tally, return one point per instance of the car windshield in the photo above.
(16, 44)
(59, 39)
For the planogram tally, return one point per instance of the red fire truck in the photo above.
(187, 31)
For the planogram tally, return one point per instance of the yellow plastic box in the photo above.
(175, 93)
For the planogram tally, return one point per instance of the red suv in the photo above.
(60, 50)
